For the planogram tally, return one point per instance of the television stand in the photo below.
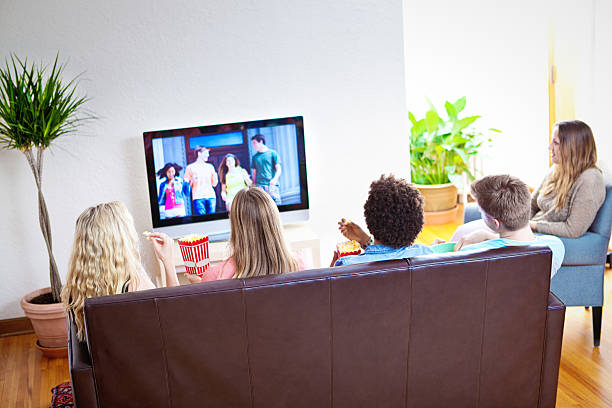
(300, 238)
(219, 237)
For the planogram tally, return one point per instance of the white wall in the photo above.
(495, 54)
(583, 54)
(594, 102)
(158, 65)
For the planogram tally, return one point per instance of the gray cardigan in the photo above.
(583, 201)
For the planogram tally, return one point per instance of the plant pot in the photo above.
(48, 321)
(441, 217)
(53, 352)
(438, 197)
(440, 203)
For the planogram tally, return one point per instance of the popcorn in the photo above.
(147, 235)
(348, 248)
(188, 239)
(194, 249)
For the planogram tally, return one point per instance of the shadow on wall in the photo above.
(137, 199)
(12, 165)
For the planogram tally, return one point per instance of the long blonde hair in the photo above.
(257, 242)
(105, 257)
(578, 153)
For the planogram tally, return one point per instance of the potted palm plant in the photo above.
(36, 108)
(440, 152)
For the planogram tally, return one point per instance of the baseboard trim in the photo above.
(13, 327)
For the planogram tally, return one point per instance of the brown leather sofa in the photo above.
(451, 330)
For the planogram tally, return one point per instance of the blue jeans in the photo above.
(274, 192)
(203, 206)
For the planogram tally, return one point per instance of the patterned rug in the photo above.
(62, 396)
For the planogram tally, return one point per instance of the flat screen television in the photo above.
(194, 173)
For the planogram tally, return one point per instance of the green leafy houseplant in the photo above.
(36, 108)
(440, 149)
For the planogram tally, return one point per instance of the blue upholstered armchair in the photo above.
(580, 280)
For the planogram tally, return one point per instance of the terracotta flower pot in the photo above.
(438, 197)
(48, 321)
(440, 202)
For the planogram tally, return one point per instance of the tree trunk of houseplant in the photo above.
(43, 219)
(48, 320)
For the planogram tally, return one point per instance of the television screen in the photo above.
(194, 173)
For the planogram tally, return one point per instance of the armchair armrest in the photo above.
(555, 320)
(589, 249)
(471, 213)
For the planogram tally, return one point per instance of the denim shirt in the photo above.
(181, 191)
(383, 252)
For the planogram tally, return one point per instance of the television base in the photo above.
(219, 237)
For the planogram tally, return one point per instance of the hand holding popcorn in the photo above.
(348, 248)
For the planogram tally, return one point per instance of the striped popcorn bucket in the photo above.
(348, 248)
(195, 255)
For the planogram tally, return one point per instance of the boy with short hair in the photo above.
(504, 203)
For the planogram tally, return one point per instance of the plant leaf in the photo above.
(457, 180)
(459, 104)
(463, 123)
(412, 118)
(36, 106)
(418, 129)
(432, 120)
(451, 111)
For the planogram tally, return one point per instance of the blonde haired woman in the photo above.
(257, 243)
(105, 259)
(568, 199)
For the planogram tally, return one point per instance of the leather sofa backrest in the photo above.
(462, 329)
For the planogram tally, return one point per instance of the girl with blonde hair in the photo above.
(572, 192)
(257, 243)
(568, 199)
(105, 258)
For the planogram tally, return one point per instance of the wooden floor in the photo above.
(585, 378)
(26, 377)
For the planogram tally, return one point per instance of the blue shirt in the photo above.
(383, 252)
(554, 243)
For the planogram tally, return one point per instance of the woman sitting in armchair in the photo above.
(570, 195)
